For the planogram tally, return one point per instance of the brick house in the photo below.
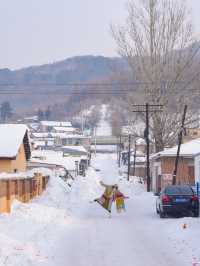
(15, 148)
(163, 163)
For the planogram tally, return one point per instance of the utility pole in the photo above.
(119, 154)
(134, 158)
(95, 140)
(147, 142)
(129, 156)
(180, 136)
(147, 108)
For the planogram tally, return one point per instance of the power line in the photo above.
(80, 84)
(114, 88)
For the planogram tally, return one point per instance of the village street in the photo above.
(137, 237)
(63, 227)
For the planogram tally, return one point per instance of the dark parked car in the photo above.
(177, 200)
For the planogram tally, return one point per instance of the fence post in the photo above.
(8, 196)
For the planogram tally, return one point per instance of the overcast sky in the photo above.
(42, 31)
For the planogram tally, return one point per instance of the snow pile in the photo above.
(66, 227)
(18, 175)
(44, 171)
(32, 231)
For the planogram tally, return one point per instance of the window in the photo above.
(178, 190)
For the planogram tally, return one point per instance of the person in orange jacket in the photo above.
(107, 198)
(119, 199)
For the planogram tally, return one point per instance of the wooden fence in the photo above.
(22, 189)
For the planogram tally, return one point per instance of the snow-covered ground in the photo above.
(63, 227)
(104, 128)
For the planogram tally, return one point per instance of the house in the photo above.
(15, 149)
(47, 126)
(74, 150)
(191, 133)
(62, 139)
(81, 153)
(163, 163)
(67, 130)
(43, 144)
(55, 160)
(140, 163)
(140, 166)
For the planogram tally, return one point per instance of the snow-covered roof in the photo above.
(44, 143)
(41, 134)
(33, 126)
(66, 136)
(188, 149)
(139, 159)
(35, 117)
(55, 158)
(56, 124)
(74, 148)
(64, 129)
(44, 171)
(11, 138)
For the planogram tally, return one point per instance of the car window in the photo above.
(178, 190)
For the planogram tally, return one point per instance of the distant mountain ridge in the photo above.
(74, 69)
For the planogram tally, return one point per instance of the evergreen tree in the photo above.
(40, 115)
(48, 113)
(5, 111)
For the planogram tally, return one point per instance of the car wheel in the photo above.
(196, 213)
(162, 214)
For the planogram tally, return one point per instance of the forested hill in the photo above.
(75, 69)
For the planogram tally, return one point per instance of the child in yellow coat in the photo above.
(119, 199)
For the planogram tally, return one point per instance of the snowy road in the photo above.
(104, 128)
(63, 228)
(137, 237)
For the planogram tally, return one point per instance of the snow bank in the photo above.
(66, 227)
(30, 234)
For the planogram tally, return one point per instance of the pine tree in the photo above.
(40, 115)
(5, 111)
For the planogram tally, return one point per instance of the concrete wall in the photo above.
(155, 172)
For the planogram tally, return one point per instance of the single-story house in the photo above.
(140, 166)
(163, 164)
(49, 125)
(43, 144)
(67, 130)
(74, 150)
(55, 160)
(15, 148)
(62, 139)
(191, 133)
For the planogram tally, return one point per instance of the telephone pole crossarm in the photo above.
(146, 109)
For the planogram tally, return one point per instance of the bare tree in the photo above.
(159, 44)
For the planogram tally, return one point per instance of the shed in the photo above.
(15, 149)
(162, 165)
